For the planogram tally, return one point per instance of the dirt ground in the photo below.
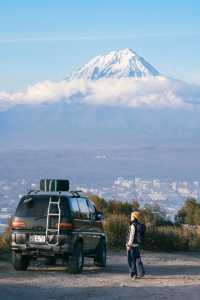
(169, 276)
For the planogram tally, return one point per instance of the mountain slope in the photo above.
(116, 64)
(120, 100)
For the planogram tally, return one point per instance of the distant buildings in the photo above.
(169, 195)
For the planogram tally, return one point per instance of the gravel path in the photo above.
(169, 276)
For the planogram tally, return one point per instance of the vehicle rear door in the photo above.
(32, 214)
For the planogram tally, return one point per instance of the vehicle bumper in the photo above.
(63, 248)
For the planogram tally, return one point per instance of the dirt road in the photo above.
(169, 276)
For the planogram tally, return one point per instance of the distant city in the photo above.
(169, 195)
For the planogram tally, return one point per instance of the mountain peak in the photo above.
(116, 64)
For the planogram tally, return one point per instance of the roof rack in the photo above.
(33, 191)
(76, 193)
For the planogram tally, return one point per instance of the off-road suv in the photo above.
(57, 224)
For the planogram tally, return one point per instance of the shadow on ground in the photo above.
(7, 270)
(24, 292)
(161, 270)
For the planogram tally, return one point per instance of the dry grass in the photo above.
(157, 238)
(116, 227)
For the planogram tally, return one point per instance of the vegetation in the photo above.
(189, 213)
(5, 243)
(161, 234)
(116, 229)
(172, 238)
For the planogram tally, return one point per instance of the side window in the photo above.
(75, 208)
(92, 210)
(64, 206)
(84, 209)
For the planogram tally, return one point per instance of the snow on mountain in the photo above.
(86, 111)
(116, 64)
(126, 80)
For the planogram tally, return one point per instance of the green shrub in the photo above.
(172, 238)
(5, 242)
(164, 239)
(189, 213)
(116, 227)
(4, 245)
(157, 238)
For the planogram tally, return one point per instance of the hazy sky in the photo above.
(42, 40)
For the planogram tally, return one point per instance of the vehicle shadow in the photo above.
(112, 268)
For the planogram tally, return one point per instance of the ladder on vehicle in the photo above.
(54, 232)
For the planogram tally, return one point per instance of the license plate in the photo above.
(37, 238)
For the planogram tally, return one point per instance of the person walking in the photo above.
(135, 237)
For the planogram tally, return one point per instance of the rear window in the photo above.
(37, 206)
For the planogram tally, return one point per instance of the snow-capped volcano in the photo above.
(116, 64)
(87, 111)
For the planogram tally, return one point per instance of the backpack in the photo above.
(140, 232)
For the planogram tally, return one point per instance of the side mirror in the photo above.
(99, 216)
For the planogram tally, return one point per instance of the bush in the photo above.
(101, 204)
(116, 228)
(172, 238)
(157, 238)
(164, 239)
(5, 241)
(4, 244)
(114, 207)
(189, 213)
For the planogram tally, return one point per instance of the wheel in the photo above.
(100, 258)
(20, 262)
(76, 261)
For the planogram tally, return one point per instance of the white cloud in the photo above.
(156, 91)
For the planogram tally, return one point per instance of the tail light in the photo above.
(66, 226)
(18, 224)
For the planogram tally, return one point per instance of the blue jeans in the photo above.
(135, 264)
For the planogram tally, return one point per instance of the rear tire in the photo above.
(76, 261)
(20, 262)
(100, 259)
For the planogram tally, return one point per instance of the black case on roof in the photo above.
(54, 185)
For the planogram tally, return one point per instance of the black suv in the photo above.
(57, 224)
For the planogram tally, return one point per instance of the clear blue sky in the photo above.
(42, 40)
